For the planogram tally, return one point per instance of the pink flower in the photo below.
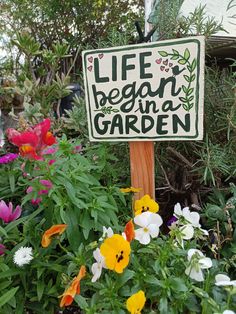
(6, 213)
(47, 184)
(2, 249)
(50, 151)
(51, 161)
(6, 159)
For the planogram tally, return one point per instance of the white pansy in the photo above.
(149, 223)
(23, 256)
(107, 233)
(192, 217)
(98, 266)
(197, 262)
(224, 280)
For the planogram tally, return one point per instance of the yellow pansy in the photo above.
(136, 302)
(116, 251)
(130, 190)
(146, 203)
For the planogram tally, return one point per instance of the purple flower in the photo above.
(172, 222)
(6, 213)
(6, 159)
(2, 249)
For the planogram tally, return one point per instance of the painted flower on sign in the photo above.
(136, 302)
(116, 251)
(145, 204)
(48, 234)
(197, 262)
(149, 223)
(73, 289)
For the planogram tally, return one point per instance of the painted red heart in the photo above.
(170, 65)
(100, 56)
(90, 68)
(158, 61)
(162, 68)
(165, 62)
(90, 59)
(166, 70)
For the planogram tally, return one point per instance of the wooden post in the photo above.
(142, 168)
(142, 163)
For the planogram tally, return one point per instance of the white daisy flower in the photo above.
(223, 280)
(149, 223)
(98, 266)
(197, 262)
(23, 256)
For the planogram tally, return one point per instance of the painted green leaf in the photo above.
(183, 99)
(187, 78)
(184, 88)
(191, 98)
(194, 64)
(191, 105)
(163, 53)
(182, 61)
(175, 52)
(189, 92)
(174, 57)
(186, 54)
(192, 77)
(185, 107)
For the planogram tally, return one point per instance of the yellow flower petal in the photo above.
(146, 203)
(116, 251)
(130, 190)
(135, 303)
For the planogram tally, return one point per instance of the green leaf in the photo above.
(189, 92)
(9, 273)
(187, 78)
(184, 88)
(186, 54)
(126, 276)
(194, 64)
(12, 182)
(163, 306)
(81, 301)
(175, 52)
(40, 289)
(2, 231)
(182, 61)
(192, 77)
(6, 297)
(174, 57)
(183, 99)
(178, 284)
(163, 53)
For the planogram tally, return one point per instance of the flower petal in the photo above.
(187, 232)
(143, 219)
(177, 210)
(194, 273)
(153, 230)
(96, 271)
(4, 212)
(142, 236)
(16, 214)
(205, 262)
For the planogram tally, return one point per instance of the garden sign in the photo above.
(146, 92)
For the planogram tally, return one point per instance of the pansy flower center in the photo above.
(145, 229)
(144, 209)
(119, 256)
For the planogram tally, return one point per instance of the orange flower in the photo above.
(55, 229)
(129, 231)
(73, 289)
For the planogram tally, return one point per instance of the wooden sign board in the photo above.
(146, 92)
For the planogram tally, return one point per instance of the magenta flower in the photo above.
(47, 184)
(6, 159)
(51, 161)
(2, 249)
(6, 213)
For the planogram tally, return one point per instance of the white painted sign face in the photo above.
(146, 92)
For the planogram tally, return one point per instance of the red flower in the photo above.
(33, 141)
(129, 231)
